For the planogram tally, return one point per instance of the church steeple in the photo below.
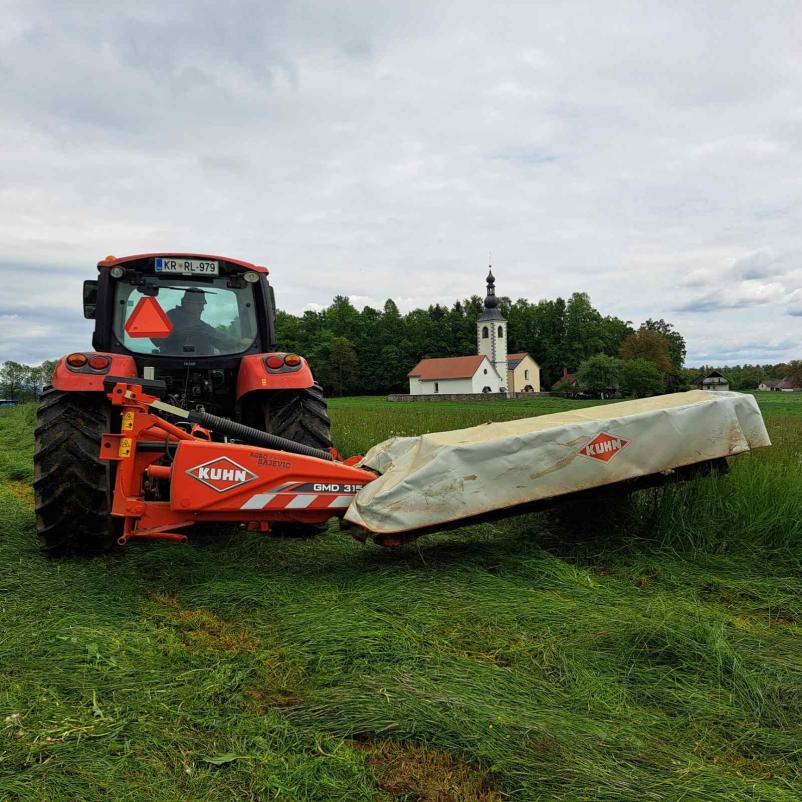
(491, 302)
(491, 331)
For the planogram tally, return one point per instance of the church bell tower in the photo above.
(491, 331)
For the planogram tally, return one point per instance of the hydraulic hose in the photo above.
(245, 433)
(254, 436)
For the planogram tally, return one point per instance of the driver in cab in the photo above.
(190, 334)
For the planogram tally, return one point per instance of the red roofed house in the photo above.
(786, 385)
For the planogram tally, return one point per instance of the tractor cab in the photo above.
(189, 320)
(180, 308)
(199, 328)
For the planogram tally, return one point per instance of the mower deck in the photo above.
(443, 478)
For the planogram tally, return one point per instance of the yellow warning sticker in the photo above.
(128, 420)
(125, 447)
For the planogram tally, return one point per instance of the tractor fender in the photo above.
(255, 374)
(86, 379)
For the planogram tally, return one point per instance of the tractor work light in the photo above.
(117, 272)
(292, 360)
(76, 360)
(251, 277)
(99, 362)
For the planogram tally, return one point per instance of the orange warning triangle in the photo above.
(148, 320)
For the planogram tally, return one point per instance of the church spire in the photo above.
(491, 311)
(491, 302)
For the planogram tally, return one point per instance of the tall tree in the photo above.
(338, 366)
(14, 376)
(648, 344)
(583, 330)
(640, 378)
(676, 342)
(599, 374)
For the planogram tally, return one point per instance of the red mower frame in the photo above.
(208, 481)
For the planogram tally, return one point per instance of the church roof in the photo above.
(491, 314)
(514, 359)
(451, 367)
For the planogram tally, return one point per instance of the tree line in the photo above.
(748, 377)
(370, 351)
(21, 382)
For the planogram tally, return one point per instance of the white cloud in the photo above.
(649, 155)
(795, 303)
(736, 295)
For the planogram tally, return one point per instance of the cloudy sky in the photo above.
(647, 153)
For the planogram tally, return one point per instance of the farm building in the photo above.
(769, 385)
(786, 385)
(523, 374)
(713, 380)
(492, 370)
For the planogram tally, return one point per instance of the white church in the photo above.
(491, 370)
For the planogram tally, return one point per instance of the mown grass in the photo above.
(643, 649)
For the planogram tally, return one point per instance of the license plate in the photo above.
(187, 266)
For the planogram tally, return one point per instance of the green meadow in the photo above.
(646, 648)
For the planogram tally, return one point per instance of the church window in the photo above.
(485, 371)
(437, 387)
(500, 332)
(485, 333)
(526, 373)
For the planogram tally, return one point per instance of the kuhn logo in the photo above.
(604, 447)
(221, 474)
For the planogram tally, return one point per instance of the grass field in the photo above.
(645, 650)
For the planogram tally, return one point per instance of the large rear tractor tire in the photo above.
(301, 416)
(298, 415)
(72, 485)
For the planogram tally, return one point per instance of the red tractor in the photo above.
(202, 329)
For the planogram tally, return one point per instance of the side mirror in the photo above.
(90, 299)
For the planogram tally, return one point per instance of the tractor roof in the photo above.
(110, 261)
